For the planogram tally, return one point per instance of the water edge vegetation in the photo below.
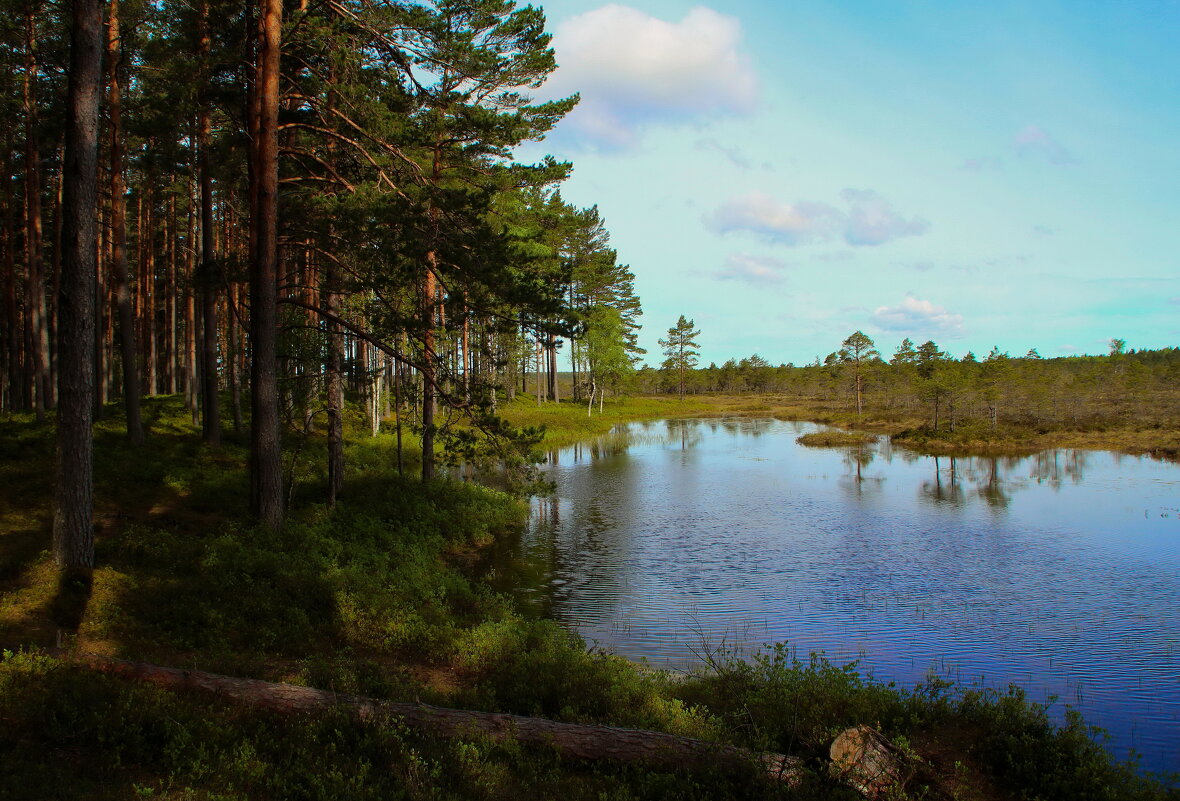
(383, 596)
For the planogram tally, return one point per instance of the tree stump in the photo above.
(867, 762)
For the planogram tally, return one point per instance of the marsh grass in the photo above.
(566, 423)
(834, 438)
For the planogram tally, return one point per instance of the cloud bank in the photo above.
(866, 220)
(921, 317)
(762, 270)
(873, 221)
(633, 69)
(1034, 141)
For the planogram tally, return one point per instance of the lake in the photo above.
(1059, 572)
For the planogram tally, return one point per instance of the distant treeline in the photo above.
(930, 387)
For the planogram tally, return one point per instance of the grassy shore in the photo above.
(567, 423)
(385, 596)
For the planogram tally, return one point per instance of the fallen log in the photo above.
(577, 741)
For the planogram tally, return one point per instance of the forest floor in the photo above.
(385, 596)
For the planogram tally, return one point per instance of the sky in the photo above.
(785, 173)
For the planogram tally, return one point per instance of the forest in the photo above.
(252, 250)
(924, 396)
(410, 254)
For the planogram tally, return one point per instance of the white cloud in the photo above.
(1034, 141)
(633, 69)
(914, 316)
(775, 221)
(868, 220)
(872, 220)
(752, 269)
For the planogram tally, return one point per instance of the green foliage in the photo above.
(681, 350)
(781, 704)
(778, 702)
(1040, 760)
(71, 733)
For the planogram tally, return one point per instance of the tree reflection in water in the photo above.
(943, 490)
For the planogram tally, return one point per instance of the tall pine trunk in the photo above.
(35, 288)
(211, 418)
(12, 329)
(73, 532)
(265, 445)
(190, 316)
(335, 385)
(119, 232)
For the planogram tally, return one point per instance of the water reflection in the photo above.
(1055, 466)
(1057, 571)
(855, 481)
(943, 489)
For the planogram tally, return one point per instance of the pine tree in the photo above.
(681, 350)
(856, 350)
(73, 532)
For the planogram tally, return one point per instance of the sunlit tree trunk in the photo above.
(265, 442)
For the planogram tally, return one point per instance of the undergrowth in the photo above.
(384, 596)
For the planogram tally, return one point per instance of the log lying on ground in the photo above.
(867, 762)
(568, 739)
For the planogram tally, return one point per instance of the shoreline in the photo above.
(566, 424)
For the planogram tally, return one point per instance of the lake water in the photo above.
(1059, 572)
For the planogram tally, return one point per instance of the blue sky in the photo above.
(785, 173)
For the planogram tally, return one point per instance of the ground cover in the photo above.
(383, 596)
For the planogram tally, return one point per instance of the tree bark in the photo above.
(101, 310)
(12, 329)
(571, 740)
(150, 298)
(264, 425)
(551, 348)
(73, 532)
(429, 359)
(119, 232)
(190, 318)
(335, 385)
(232, 324)
(868, 763)
(171, 299)
(211, 408)
(35, 294)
